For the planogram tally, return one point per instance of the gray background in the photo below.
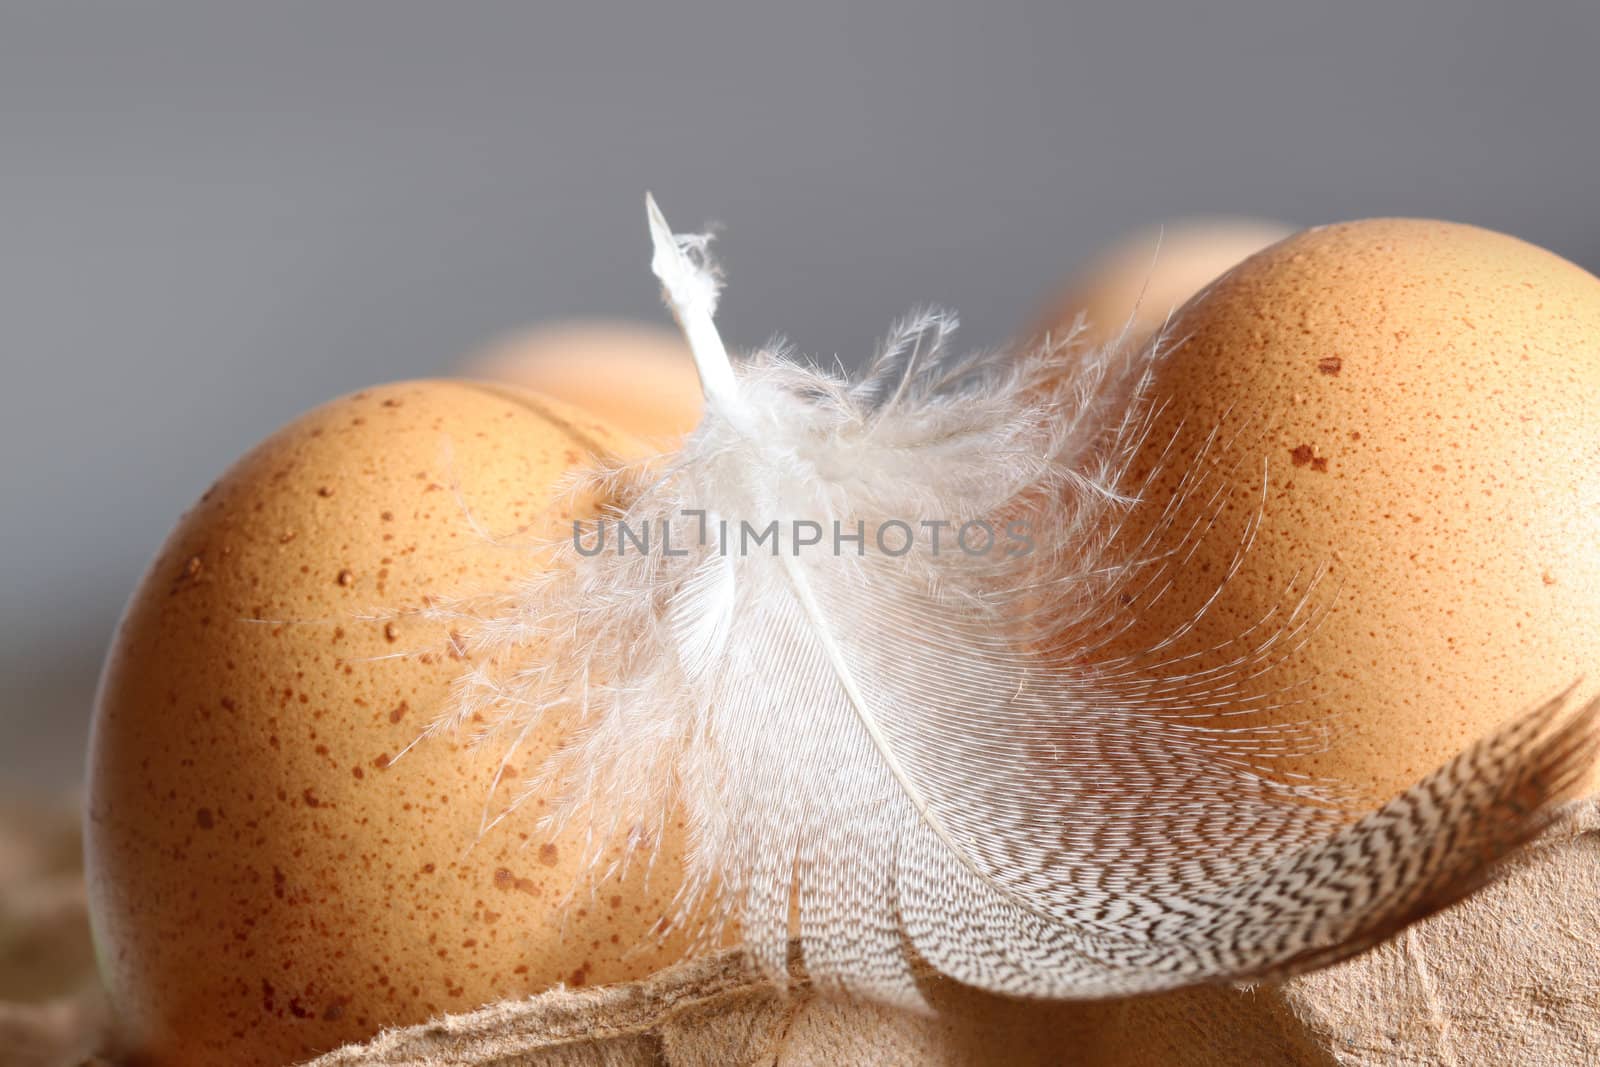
(213, 216)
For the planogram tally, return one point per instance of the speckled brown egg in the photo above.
(1143, 278)
(637, 376)
(266, 878)
(1414, 406)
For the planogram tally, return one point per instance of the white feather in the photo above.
(701, 614)
(933, 755)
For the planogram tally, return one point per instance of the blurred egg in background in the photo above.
(1135, 285)
(639, 376)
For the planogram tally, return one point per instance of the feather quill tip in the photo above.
(691, 287)
(688, 285)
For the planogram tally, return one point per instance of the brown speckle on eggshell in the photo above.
(266, 878)
(1414, 406)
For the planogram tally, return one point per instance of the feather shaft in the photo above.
(693, 297)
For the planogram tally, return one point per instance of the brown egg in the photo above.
(266, 879)
(1139, 281)
(633, 375)
(1422, 402)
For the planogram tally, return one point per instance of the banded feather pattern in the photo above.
(892, 756)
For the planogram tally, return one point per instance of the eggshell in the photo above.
(633, 375)
(1422, 403)
(266, 879)
(1139, 281)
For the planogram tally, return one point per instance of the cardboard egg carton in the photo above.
(1511, 975)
